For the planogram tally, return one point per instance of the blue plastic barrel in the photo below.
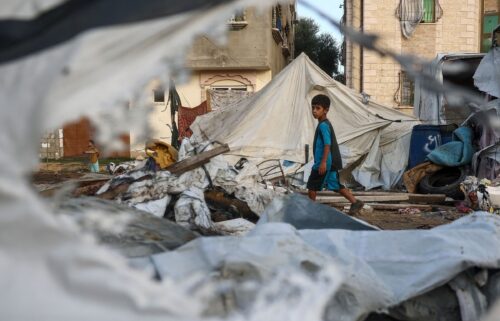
(425, 138)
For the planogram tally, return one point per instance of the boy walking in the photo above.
(327, 158)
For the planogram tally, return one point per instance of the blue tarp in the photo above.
(455, 153)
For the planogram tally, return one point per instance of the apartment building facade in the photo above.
(260, 43)
(424, 28)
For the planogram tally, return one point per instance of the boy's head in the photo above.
(320, 105)
(91, 143)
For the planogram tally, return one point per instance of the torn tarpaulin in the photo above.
(378, 269)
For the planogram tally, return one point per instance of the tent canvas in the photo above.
(276, 123)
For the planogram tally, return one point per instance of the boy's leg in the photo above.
(347, 194)
(314, 184)
(356, 206)
(334, 184)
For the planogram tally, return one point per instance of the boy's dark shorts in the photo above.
(329, 180)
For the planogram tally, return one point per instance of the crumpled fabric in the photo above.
(245, 186)
(192, 212)
(412, 177)
(459, 152)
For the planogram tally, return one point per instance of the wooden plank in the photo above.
(196, 161)
(427, 198)
(355, 193)
(382, 198)
(390, 207)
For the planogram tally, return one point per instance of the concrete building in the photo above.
(443, 26)
(259, 45)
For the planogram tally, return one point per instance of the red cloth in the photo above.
(187, 116)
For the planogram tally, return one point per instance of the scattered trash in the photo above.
(409, 210)
(476, 194)
(163, 154)
(201, 185)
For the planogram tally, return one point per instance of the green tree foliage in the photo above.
(321, 48)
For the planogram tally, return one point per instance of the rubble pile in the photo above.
(212, 190)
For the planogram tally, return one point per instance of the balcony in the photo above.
(238, 21)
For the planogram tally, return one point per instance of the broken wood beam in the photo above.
(196, 161)
(427, 198)
(390, 207)
(374, 198)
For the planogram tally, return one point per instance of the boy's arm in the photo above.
(322, 165)
(327, 140)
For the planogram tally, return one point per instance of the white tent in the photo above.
(276, 123)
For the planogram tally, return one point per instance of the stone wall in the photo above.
(491, 6)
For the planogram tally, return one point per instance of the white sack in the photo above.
(192, 212)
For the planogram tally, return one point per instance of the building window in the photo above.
(158, 96)
(429, 11)
(406, 92)
(490, 21)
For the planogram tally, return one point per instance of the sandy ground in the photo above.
(392, 220)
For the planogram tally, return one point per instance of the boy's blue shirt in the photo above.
(323, 138)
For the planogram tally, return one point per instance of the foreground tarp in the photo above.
(380, 269)
(48, 269)
(276, 123)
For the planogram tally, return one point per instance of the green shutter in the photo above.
(429, 7)
(490, 22)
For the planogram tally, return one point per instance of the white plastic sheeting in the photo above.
(48, 269)
(155, 207)
(429, 104)
(379, 269)
(192, 212)
(276, 123)
(487, 76)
